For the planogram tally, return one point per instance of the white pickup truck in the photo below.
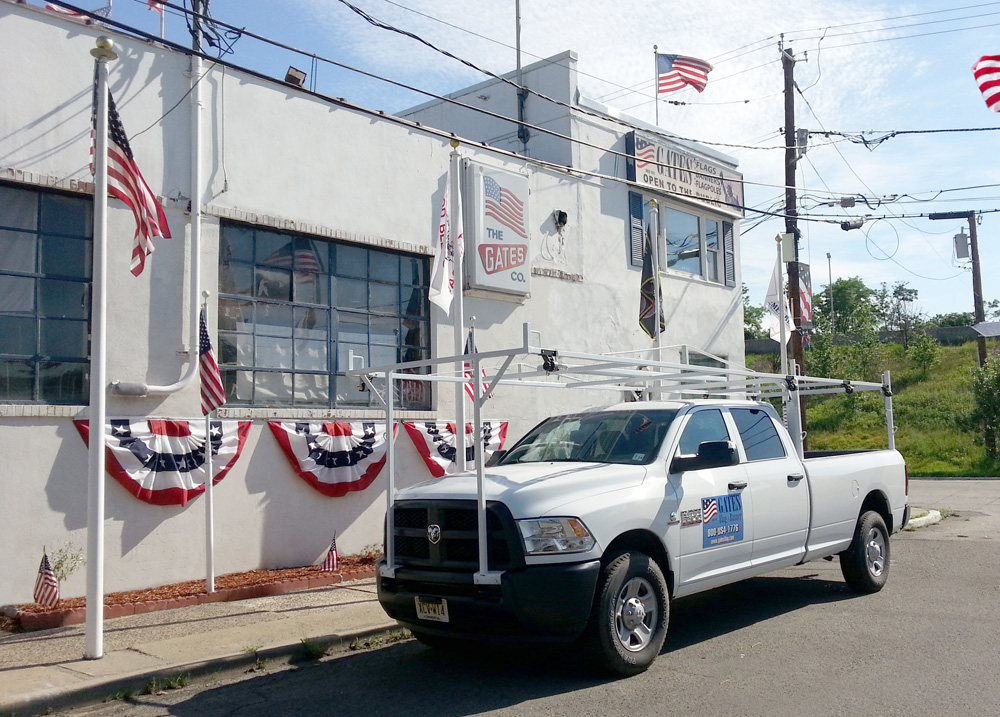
(597, 520)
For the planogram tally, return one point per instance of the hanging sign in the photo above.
(162, 462)
(497, 252)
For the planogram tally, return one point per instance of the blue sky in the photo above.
(864, 66)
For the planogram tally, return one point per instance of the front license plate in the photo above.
(435, 609)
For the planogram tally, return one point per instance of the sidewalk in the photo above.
(46, 670)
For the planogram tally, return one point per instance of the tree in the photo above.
(895, 310)
(849, 297)
(753, 318)
(955, 318)
(986, 393)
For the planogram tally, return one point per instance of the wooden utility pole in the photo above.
(977, 280)
(791, 215)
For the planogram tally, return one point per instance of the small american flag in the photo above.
(330, 563)
(675, 72)
(709, 509)
(46, 585)
(213, 394)
(504, 206)
(987, 72)
(470, 385)
(125, 182)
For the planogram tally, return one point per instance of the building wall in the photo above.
(276, 156)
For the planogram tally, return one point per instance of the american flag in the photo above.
(46, 585)
(154, 5)
(125, 182)
(213, 394)
(78, 16)
(645, 152)
(504, 206)
(675, 72)
(330, 563)
(470, 385)
(987, 72)
(709, 509)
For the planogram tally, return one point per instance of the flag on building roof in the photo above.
(46, 584)
(155, 5)
(330, 563)
(987, 73)
(126, 183)
(650, 297)
(79, 16)
(675, 72)
(213, 394)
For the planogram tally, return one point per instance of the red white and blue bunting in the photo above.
(334, 458)
(435, 441)
(161, 461)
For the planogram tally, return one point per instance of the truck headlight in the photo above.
(555, 535)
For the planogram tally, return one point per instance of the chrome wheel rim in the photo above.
(635, 614)
(875, 552)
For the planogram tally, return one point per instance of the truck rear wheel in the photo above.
(631, 613)
(865, 563)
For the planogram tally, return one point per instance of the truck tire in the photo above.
(865, 563)
(630, 617)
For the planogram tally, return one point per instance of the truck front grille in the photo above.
(458, 548)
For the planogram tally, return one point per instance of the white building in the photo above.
(318, 221)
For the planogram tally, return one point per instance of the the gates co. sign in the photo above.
(497, 238)
(668, 168)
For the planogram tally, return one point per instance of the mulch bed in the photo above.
(235, 586)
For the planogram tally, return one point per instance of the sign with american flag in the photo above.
(498, 236)
(436, 443)
(334, 458)
(162, 462)
(670, 169)
(722, 520)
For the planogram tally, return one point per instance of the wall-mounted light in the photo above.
(560, 218)
(295, 77)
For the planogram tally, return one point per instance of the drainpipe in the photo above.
(123, 388)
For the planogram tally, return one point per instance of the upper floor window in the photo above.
(45, 270)
(296, 313)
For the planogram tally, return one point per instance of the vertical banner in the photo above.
(805, 295)
(498, 256)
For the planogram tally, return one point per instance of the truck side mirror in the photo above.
(495, 457)
(711, 454)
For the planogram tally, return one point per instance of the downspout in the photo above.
(123, 388)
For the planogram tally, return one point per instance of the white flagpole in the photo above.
(656, 86)
(209, 487)
(94, 627)
(163, 22)
(458, 252)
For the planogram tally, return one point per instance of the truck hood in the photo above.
(531, 489)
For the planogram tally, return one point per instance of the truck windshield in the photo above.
(628, 437)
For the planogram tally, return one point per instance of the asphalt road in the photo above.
(796, 642)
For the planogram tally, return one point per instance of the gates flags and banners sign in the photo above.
(334, 458)
(162, 462)
(499, 257)
(436, 442)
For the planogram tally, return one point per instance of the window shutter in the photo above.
(729, 249)
(636, 234)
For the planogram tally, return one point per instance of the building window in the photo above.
(296, 313)
(45, 267)
(695, 244)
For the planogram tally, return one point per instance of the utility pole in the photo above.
(791, 213)
(977, 280)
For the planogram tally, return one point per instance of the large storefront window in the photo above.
(296, 313)
(45, 266)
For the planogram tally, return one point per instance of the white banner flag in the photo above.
(442, 286)
(776, 293)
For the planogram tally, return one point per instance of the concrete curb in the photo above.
(100, 690)
(933, 516)
(31, 621)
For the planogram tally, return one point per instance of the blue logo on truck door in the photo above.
(722, 520)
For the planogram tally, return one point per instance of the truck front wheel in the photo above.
(631, 613)
(865, 563)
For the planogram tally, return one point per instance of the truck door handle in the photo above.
(738, 485)
(795, 477)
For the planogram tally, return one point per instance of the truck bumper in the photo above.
(544, 603)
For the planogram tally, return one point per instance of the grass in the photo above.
(158, 685)
(931, 411)
(312, 649)
(382, 639)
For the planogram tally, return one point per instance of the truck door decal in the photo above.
(722, 518)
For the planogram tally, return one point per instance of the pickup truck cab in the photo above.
(596, 520)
